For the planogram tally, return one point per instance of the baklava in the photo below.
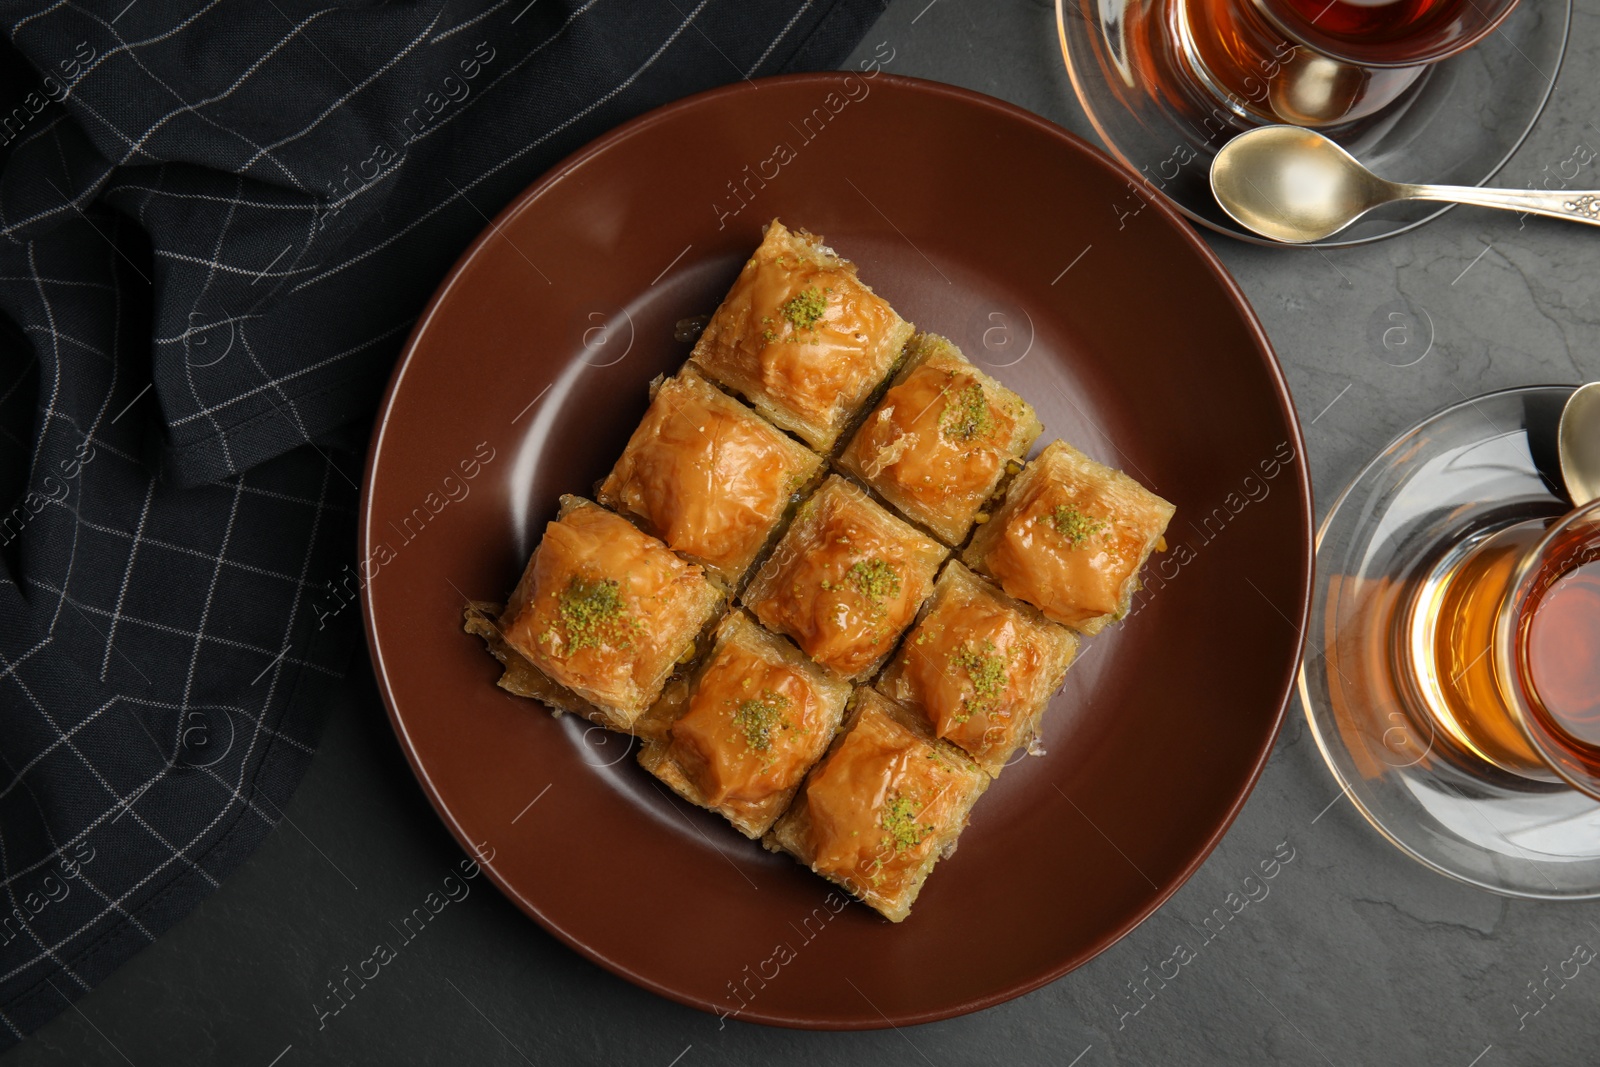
(845, 580)
(606, 612)
(518, 676)
(801, 337)
(980, 667)
(886, 802)
(708, 476)
(739, 734)
(733, 596)
(937, 445)
(1070, 538)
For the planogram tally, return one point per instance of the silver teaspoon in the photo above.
(1578, 440)
(1295, 185)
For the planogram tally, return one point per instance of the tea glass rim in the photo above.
(1370, 56)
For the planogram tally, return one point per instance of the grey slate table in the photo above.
(1357, 955)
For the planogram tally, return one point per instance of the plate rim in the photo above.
(1305, 556)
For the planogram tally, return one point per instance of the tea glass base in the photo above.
(1469, 468)
(1457, 125)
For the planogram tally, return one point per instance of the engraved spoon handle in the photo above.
(1560, 204)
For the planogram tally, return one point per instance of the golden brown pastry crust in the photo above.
(936, 447)
(885, 803)
(518, 676)
(739, 734)
(980, 667)
(846, 579)
(607, 611)
(801, 337)
(708, 476)
(1070, 538)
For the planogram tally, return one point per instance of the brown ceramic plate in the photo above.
(977, 220)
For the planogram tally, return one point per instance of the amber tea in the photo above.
(1321, 63)
(1503, 648)
(1452, 632)
(1558, 648)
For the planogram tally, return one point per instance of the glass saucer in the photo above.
(1468, 469)
(1457, 125)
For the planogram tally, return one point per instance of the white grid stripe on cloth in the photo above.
(55, 377)
(347, 97)
(473, 21)
(127, 574)
(787, 26)
(177, 631)
(283, 378)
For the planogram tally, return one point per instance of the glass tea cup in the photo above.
(1502, 650)
(1321, 63)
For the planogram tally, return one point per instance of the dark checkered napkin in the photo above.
(217, 223)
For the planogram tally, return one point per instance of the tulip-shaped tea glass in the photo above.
(1452, 665)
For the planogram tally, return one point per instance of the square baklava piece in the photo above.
(886, 802)
(845, 580)
(708, 476)
(980, 667)
(938, 444)
(739, 734)
(801, 337)
(1070, 538)
(606, 612)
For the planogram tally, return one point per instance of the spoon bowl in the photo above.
(1293, 184)
(1578, 440)
(1296, 186)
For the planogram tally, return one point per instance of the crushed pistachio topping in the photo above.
(900, 823)
(1074, 525)
(874, 579)
(592, 613)
(966, 415)
(986, 670)
(758, 717)
(805, 310)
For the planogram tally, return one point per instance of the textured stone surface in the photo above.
(1357, 955)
